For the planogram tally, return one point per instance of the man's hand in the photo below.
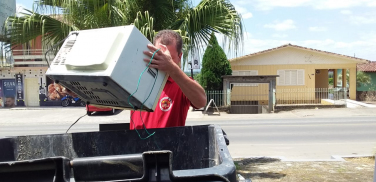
(162, 59)
(167, 59)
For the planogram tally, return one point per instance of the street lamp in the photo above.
(190, 63)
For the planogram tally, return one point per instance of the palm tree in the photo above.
(54, 19)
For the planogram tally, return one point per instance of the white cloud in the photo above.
(240, 9)
(244, 12)
(346, 12)
(363, 19)
(247, 15)
(256, 45)
(361, 48)
(20, 8)
(369, 36)
(317, 29)
(281, 26)
(270, 4)
(372, 3)
(279, 35)
(248, 35)
(317, 43)
(335, 4)
(316, 4)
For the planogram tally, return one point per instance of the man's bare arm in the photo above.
(191, 89)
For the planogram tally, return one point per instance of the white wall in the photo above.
(28, 72)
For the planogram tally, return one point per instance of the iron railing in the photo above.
(311, 96)
(218, 96)
(302, 96)
(23, 52)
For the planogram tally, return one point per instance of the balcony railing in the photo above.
(23, 52)
(31, 56)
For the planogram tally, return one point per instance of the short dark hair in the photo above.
(9, 97)
(166, 37)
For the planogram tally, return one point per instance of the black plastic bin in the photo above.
(191, 153)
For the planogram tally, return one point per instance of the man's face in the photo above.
(9, 102)
(176, 57)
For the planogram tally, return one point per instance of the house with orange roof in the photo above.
(303, 75)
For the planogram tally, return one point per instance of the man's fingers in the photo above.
(150, 54)
(152, 48)
(153, 66)
(153, 61)
(148, 60)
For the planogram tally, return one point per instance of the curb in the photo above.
(360, 103)
(42, 108)
(333, 158)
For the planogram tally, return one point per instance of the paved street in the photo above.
(300, 134)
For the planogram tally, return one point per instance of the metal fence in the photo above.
(217, 95)
(311, 96)
(283, 96)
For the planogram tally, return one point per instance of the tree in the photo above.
(214, 66)
(331, 82)
(54, 19)
(362, 79)
(197, 77)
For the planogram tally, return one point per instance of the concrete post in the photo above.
(374, 173)
(226, 89)
(274, 93)
(352, 84)
(344, 78)
(335, 78)
(270, 96)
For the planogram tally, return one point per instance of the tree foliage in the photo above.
(362, 79)
(54, 19)
(214, 66)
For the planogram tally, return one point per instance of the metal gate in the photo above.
(249, 98)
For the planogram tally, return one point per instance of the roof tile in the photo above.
(368, 67)
(296, 46)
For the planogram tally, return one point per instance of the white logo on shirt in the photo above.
(165, 104)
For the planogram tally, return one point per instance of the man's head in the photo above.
(9, 101)
(172, 41)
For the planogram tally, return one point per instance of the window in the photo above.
(245, 73)
(290, 77)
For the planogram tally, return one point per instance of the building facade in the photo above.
(23, 80)
(302, 72)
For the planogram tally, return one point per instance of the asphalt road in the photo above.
(307, 138)
(292, 137)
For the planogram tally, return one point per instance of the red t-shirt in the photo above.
(171, 110)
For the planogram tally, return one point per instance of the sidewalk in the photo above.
(298, 113)
(198, 115)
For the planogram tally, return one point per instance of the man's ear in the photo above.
(180, 55)
(163, 48)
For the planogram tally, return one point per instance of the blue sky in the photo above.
(341, 26)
